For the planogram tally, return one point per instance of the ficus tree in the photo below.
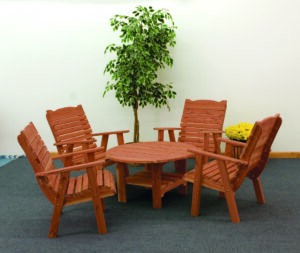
(146, 37)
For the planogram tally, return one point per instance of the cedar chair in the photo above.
(226, 174)
(201, 122)
(57, 185)
(71, 124)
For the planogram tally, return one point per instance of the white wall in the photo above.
(51, 56)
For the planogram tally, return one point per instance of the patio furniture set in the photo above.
(200, 136)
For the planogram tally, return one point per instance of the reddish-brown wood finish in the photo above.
(57, 185)
(71, 124)
(154, 155)
(226, 174)
(201, 122)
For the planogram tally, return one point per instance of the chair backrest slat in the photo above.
(199, 116)
(259, 158)
(69, 123)
(258, 148)
(38, 156)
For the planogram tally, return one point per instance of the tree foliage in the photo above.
(145, 40)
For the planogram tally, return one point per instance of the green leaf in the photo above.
(146, 36)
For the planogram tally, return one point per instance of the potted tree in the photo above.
(146, 36)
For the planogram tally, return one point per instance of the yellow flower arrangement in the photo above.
(239, 132)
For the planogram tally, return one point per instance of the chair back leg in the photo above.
(258, 190)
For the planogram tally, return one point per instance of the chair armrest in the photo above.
(105, 135)
(160, 133)
(166, 128)
(234, 143)
(70, 168)
(216, 156)
(74, 142)
(112, 132)
(85, 151)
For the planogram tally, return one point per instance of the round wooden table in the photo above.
(154, 155)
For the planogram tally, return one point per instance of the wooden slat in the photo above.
(199, 136)
(107, 179)
(144, 178)
(207, 107)
(37, 144)
(203, 111)
(190, 139)
(85, 182)
(71, 124)
(30, 133)
(171, 185)
(71, 186)
(199, 128)
(66, 120)
(45, 159)
(199, 125)
(78, 186)
(78, 135)
(56, 183)
(49, 165)
(42, 154)
(78, 128)
(100, 178)
(200, 120)
(52, 179)
(112, 182)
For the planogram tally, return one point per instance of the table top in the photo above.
(149, 152)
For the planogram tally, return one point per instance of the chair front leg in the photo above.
(97, 202)
(200, 160)
(233, 211)
(120, 138)
(104, 141)
(160, 135)
(58, 206)
(229, 193)
(171, 135)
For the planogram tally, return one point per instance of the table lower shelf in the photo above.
(169, 180)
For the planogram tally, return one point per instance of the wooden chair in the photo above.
(57, 185)
(201, 122)
(226, 174)
(70, 123)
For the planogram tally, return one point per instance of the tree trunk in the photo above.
(136, 132)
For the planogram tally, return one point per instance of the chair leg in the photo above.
(234, 214)
(98, 208)
(258, 191)
(103, 204)
(58, 206)
(196, 199)
(197, 185)
(57, 211)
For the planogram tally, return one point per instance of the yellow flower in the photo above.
(239, 132)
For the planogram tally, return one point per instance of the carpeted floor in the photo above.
(136, 227)
(5, 160)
